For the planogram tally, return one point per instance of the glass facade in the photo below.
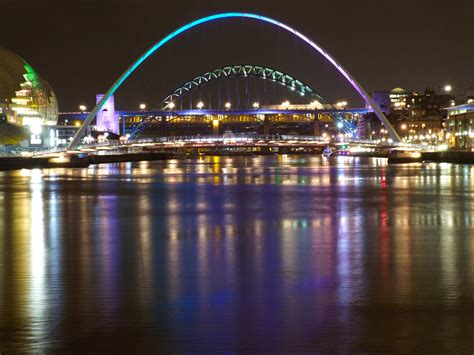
(25, 98)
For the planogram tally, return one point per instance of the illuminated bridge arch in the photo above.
(369, 101)
(246, 70)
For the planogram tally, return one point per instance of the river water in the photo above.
(242, 254)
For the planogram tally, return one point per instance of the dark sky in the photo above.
(81, 46)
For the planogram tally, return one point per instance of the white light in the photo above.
(35, 129)
(171, 105)
(256, 105)
(227, 105)
(448, 88)
(285, 103)
(200, 105)
(142, 106)
(341, 104)
(82, 107)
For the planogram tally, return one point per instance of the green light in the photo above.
(31, 76)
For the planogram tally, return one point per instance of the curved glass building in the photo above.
(25, 98)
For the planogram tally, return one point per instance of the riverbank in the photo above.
(78, 160)
(84, 159)
(456, 157)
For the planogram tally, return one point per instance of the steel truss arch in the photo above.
(246, 70)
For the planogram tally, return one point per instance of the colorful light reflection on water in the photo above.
(238, 254)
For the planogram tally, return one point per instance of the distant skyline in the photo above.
(82, 46)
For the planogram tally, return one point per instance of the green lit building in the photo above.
(25, 98)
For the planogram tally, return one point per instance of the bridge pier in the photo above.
(316, 126)
(266, 125)
(215, 125)
(163, 126)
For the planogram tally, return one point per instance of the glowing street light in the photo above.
(200, 105)
(448, 88)
(286, 104)
(341, 104)
(142, 106)
(315, 104)
(82, 108)
(256, 105)
(227, 105)
(171, 105)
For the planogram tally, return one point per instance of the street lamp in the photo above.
(171, 105)
(286, 104)
(228, 105)
(341, 104)
(82, 108)
(256, 105)
(200, 105)
(142, 107)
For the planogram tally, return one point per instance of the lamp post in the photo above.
(83, 108)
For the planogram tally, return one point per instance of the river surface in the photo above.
(243, 254)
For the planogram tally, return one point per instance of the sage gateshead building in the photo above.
(26, 99)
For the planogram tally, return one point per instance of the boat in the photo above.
(400, 156)
(328, 151)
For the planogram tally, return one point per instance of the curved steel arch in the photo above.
(245, 70)
(393, 134)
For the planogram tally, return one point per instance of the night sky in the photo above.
(81, 46)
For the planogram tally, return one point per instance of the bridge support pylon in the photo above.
(163, 126)
(215, 126)
(316, 127)
(266, 126)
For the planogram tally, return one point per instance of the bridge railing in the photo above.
(230, 137)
